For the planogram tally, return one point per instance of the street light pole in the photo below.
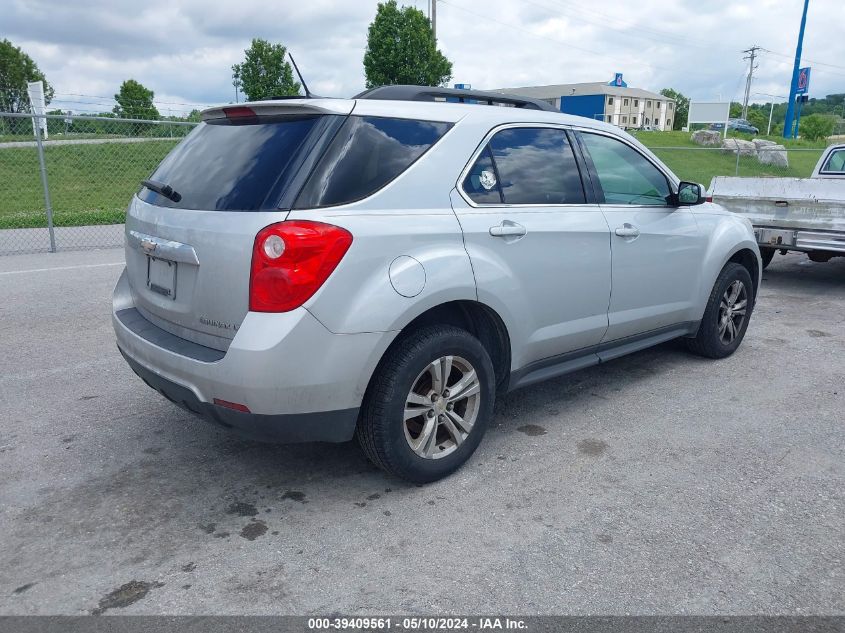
(790, 107)
(771, 108)
(771, 112)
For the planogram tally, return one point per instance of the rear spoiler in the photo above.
(278, 108)
(458, 95)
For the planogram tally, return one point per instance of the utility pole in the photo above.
(793, 86)
(434, 19)
(751, 54)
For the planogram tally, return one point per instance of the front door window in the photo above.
(625, 175)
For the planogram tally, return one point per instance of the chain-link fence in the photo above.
(701, 164)
(70, 190)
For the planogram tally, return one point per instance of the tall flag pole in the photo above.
(793, 87)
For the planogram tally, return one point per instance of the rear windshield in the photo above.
(367, 153)
(234, 167)
(263, 165)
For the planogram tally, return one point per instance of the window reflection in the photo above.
(536, 166)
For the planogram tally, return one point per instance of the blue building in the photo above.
(613, 102)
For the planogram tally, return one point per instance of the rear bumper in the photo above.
(327, 426)
(800, 239)
(299, 381)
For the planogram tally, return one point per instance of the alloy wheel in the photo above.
(442, 407)
(732, 312)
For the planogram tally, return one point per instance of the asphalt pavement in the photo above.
(660, 483)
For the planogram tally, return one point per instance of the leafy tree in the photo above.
(16, 69)
(681, 107)
(401, 49)
(758, 119)
(134, 101)
(264, 72)
(816, 126)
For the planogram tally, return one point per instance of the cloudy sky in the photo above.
(184, 49)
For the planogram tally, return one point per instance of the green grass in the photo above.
(701, 165)
(89, 184)
(682, 139)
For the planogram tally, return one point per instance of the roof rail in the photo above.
(433, 93)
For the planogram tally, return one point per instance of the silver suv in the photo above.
(383, 267)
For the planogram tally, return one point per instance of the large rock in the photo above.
(760, 142)
(773, 155)
(738, 146)
(707, 137)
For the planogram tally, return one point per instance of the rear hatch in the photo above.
(191, 229)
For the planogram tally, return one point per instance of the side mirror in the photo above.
(689, 193)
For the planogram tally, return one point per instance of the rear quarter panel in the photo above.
(360, 295)
(411, 216)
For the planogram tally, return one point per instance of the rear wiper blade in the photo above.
(166, 190)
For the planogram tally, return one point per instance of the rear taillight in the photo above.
(708, 199)
(239, 112)
(291, 260)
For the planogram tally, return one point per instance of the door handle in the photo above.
(507, 229)
(627, 230)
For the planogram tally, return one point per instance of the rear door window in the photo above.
(223, 166)
(367, 153)
(533, 166)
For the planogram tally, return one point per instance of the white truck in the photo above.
(792, 214)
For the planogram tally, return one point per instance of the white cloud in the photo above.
(184, 49)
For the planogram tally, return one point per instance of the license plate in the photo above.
(161, 277)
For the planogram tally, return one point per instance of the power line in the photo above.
(826, 71)
(73, 94)
(808, 61)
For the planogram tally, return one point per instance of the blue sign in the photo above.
(463, 87)
(802, 85)
(618, 81)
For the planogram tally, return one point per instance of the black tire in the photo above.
(766, 254)
(381, 428)
(709, 341)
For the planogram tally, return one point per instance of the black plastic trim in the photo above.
(323, 426)
(569, 362)
(431, 93)
(135, 322)
(586, 168)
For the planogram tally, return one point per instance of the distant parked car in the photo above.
(737, 125)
